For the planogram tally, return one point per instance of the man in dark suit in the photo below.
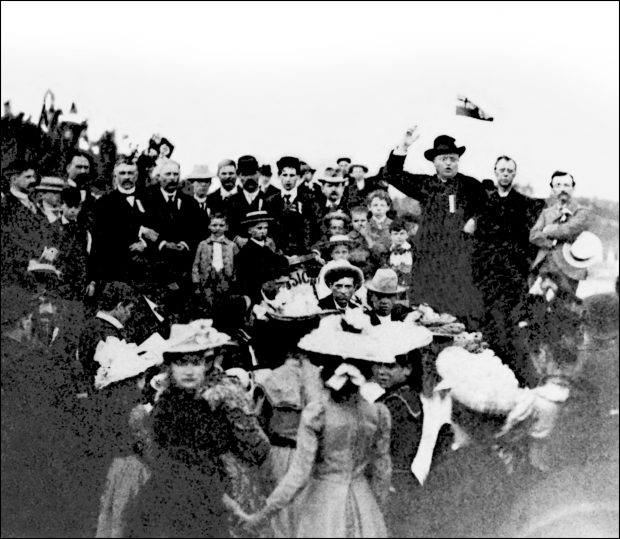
(343, 280)
(116, 303)
(332, 196)
(295, 211)
(383, 289)
(200, 179)
(360, 186)
(25, 230)
(248, 199)
(121, 240)
(80, 171)
(171, 214)
(503, 254)
(264, 181)
(219, 199)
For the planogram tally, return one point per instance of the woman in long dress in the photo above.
(341, 469)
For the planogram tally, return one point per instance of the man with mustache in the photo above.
(562, 221)
(80, 175)
(247, 199)
(121, 236)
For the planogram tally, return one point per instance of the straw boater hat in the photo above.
(333, 179)
(200, 173)
(442, 145)
(574, 258)
(45, 263)
(254, 217)
(385, 281)
(51, 183)
(336, 239)
(195, 339)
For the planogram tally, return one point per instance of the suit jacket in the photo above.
(96, 330)
(117, 226)
(203, 268)
(175, 223)
(201, 220)
(343, 205)
(296, 227)
(398, 314)
(24, 235)
(328, 304)
(270, 191)
(218, 204)
(238, 207)
(74, 261)
(551, 230)
(255, 265)
(357, 197)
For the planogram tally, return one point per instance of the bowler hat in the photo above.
(247, 165)
(200, 173)
(385, 281)
(254, 217)
(443, 144)
(363, 167)
(50, 183)
(345, 159)
(265, 170)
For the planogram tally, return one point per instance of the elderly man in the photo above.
(121, 240)
(294, 210)
(503, 255)
(451, 203)
(25, 230)
(562, 221)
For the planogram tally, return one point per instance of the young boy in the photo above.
(256, 262)
(360, 250)
(213, 271)
(379, 202)
(400, 254)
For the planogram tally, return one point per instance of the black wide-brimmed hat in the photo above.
(443, 144)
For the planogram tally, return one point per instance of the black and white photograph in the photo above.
(310, 269)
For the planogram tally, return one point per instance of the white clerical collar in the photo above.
(504, 193)
(292, 193)
(261, 243)
(109, 318)
(361, 184)
(251, 197)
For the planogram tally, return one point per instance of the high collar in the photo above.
(110, 319)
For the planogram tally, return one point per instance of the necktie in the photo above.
(171, 204)
(287, 200)
(218, 260)
(203, 206)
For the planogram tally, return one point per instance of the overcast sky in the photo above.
(323, 79)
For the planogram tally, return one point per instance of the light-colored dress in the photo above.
(339, 446)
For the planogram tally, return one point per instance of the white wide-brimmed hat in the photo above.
(575, 257)
(480, 381)
(199, 173)
(197, 336)
(385, 281)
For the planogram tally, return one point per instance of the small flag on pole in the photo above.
(464, 107)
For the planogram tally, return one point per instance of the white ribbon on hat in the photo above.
(343, 373)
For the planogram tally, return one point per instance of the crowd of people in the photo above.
(302, 359)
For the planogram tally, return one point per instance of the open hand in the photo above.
(411, 135)
(137, 246)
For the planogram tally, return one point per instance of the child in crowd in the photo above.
(257, 260)
(379, 202)
(213, 272)
(360, 251)
(400, 254)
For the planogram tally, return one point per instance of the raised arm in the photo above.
(393, 173)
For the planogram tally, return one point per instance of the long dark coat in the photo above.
(442, 269)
